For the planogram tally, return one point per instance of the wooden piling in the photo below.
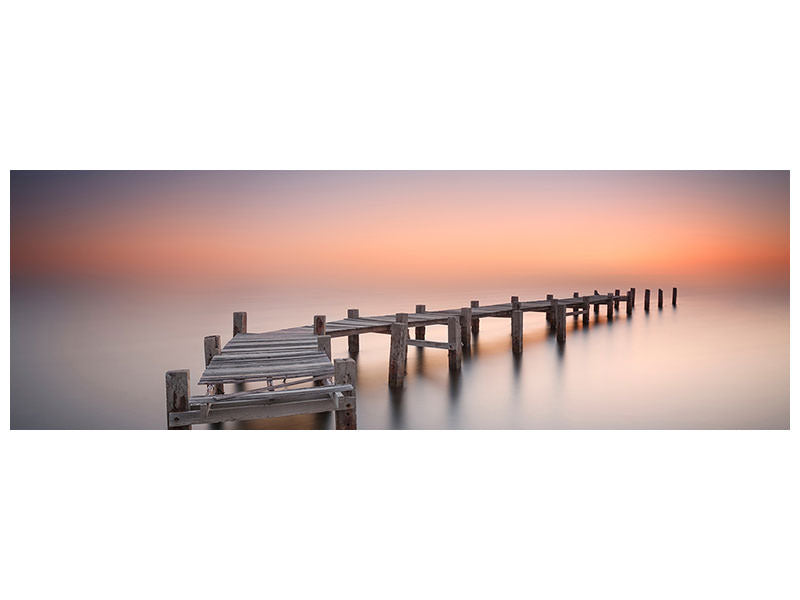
(647, 300)
(419, 332)
(466, 319)
(596, 306)
(660, 298)
(239, 322)
(516, 331)
(628, 304)
(610, 307)
(212, 347)
(674, 296)
(475, 320)
(403, 318)
(454, 351)
(319, 324)
(585, 310)
(616, 300)
(574, 310)
(633, 297)
(397, 354)
(345, 373)
(553, 312)
(561, 326)
(514, 302)
(353, 343)
(324, 344)
(548, 317)
(177, 387)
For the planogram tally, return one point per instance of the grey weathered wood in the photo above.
(454, 354)
(596, 305)
(610, 307)
(585, 310)
(319, 324)
(553, 313)
(647, 300)
(345, 369)
(476, 327)
(628, 303)
(212, 348)
(514, 302)
(429, 344)
(177, 388)
(397, 354)
(660, 298)
(353, 344)
(561, 325)
(548, 316)
(633, 297)
(466, 321)
(266, 396)
(239, 323)
(675, 296)
(419, 332)
(616, 300)
(574, 312)
(516, 331)
(245, 413)
(401, 318)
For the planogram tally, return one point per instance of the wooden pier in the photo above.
(297, 375)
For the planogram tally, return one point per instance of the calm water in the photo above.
(95, 357)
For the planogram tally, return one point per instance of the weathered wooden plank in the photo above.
(180, 420)
(429, 344)
(269, 396)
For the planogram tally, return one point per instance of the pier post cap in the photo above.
(420, 308)
(352, 312)
(211, 347)
(576, 295)
(549, 296)
(474, 303)
(401, 318)
(239, 322)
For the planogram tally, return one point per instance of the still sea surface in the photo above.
(94, 356)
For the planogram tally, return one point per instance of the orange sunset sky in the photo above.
(426, 226)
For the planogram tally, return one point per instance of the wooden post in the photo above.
(561, 328)
(596, 306)
(403, 318)
(419, 332)
(344, 373)
(177, 383)
(353, 344)
(674, 296)
(239, 322)
(319, 324)
(586, 310)
(633, 297)
(647, 300)
(516, 331)
(475, 320)
(211, 347)
(454, 343)
(549, 316)
(610, 307)
(616, 301)
(397, 354)
(660, 298)
(514, 302)
(628, 304)
(324, 344)
(466, 319)
(553, 313)
(575, 314)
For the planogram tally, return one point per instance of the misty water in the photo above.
(94, 356)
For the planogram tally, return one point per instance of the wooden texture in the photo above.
(610, 307)
(674, 296)
(454, 353)
(239, 323)
(419, 332)
(628, 303)
(319, 324)
(585, 310)
(647, 299)
(429, 344)
(660, 298)
(466, 320)
(561, 325)
(633, 298)
(476, 322)
(177, 388)
(353, 344)
(575, 312)
(211, 348)
(516, 331)
(397, 354)
(345, 374)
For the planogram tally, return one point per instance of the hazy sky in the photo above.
(427, 226)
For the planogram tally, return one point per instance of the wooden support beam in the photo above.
(660, 298)
(419, 332)
(429, 344)
(561, 326)
(403, 318)
(553, 312)
(548, 315)
(397, 354)
(516, 331)
(633, 297)
(574, 313)
(596, 306)
(585, 310)
(319, 324)
(475, 320)
(212, 347)
(616, 301)
(239, 322)
(628, 303)
(647, 300)
(610, 307)
(454, 340)
(514, 302)
(177, 386)
(466, 320)
(345, 373)
(674, 296)
(353, 344)
(324, 344)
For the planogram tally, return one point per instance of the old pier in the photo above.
(298, 376)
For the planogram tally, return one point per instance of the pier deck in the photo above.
(299, 376)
